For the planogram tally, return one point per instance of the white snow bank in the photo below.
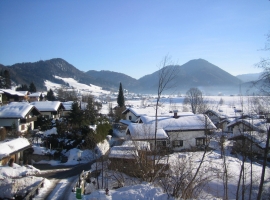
(19, 187)
(134, 192)
(17, 171)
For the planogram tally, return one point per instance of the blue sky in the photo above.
(133, 36)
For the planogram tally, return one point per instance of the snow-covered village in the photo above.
(142, 150)
(134, 100)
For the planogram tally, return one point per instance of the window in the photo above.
(129, 117)
(177, 143)
(200, 141)
(161, 143)
(22, 127)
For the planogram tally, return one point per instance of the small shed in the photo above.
(14, 149)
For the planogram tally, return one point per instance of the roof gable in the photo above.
(16, 110)
(51, 106)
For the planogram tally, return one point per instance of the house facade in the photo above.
(249, 135)
(34, 97)
(12, 95)
(19, 116)
(49, 109)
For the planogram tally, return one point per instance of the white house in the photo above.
(178, 133)
(34, 96)
(21, 115)
(49, 109)
(132, 114)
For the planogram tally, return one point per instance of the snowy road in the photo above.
(63, 180)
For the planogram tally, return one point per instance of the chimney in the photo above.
(175, 114)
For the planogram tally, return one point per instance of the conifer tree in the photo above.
(120, 98)
(50, 95)
(32, 87)
(7, 82)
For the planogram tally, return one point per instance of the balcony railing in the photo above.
(23, 121)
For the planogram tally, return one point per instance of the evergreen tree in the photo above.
(91, 111)
(40, 97)
(6, 80)
(76, 115)
(120, 98)
(50, 95)
(32, 87)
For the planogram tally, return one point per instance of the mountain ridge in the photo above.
(194, 73)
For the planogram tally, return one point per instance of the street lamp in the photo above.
(79, 154)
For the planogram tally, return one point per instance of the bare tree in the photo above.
(64, 94)
(195, 99)
(166, 74)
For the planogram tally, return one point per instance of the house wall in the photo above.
(32, 99)
(50, 115)
(131, 117)
(240, 128)
(225, 128)
(20, 127)
(188, 137)
(0, 98)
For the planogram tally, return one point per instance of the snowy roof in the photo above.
(67, 105)
(255, 124)
(139, 145)
(146, 131)
(7, 148)
(194, 122)
(13, 92)
(24, 92)
(226, 112)
(47, 105)
(16, 110)
(126, 152)
(150, 111)
(36, 94)
(125, 122)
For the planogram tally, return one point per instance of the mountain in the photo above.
(249, 77)
(38, 72)
(114, 78)
(195, 73)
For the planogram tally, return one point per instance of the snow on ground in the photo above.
(17, 171)
(17, 180)
(134, 192)
(73, 154)
(81, 88)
